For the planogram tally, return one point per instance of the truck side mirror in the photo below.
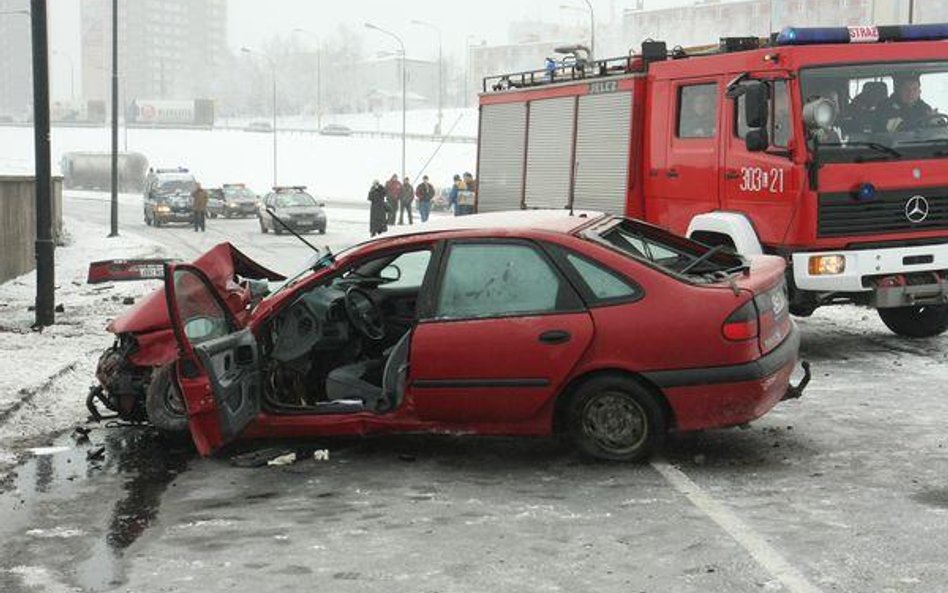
(757, 140)
(756, 102)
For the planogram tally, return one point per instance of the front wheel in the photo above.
(916, 322)
(164, 402)
(614, 418)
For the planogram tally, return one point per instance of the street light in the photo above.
(440, 72)
(404, 82)
(319, 75)
(592, 25)
(247, 50)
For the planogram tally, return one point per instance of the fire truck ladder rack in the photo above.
(565, 71)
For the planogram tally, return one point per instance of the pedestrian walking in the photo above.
(378, 209)
(405, 197)
(456, 187)
(393, 189)
(199, 208)
(425, 193)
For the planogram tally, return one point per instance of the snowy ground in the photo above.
(333, 168)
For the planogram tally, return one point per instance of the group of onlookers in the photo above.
(396, 198)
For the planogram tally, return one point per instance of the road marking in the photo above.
(765, 555)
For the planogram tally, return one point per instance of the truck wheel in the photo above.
(263, 227)
(164, 402)
(147, 219)
(916, 322)
(612, 417)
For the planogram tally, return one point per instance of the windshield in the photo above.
(666, 250)
(885, 111)
(293, 200)
(238, 193)
(175, 185)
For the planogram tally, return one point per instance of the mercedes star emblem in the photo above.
(916, 209)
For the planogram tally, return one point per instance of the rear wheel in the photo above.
(612, 417)
(322, 230)
(164, 402)
(278, 229)
(916, 322)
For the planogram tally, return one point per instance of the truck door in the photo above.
(763, 184)
(687, 184)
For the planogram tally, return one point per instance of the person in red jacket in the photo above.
(393, 189)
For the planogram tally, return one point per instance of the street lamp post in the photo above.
(114, 203)
(247, 50)
(319, 75)
(592, 25)
(404, 83)
(440, 72)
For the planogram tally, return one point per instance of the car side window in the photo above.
(603, 284)
(697, 111)
(202, 316)
(411, 268)
(501, 279)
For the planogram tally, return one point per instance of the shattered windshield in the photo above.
(885, 111)
(665, 250)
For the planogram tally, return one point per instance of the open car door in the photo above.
(219, 365)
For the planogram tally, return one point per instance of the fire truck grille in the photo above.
(840, 214)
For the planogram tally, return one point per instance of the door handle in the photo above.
(731, 174)
(555, 336)
(672, 173)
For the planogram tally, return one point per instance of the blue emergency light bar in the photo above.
(861, 34)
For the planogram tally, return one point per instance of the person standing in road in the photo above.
(393, 189)
(425, 193)
(199, 207)
(457, 186)
(405, 197)
(378, 214)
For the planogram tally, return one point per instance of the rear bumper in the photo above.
(726, 396)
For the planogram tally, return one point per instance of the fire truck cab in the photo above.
(826, 146)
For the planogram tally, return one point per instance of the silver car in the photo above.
(296, 208)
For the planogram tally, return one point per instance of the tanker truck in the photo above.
(93, 171)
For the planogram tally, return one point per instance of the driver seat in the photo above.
(378, 383)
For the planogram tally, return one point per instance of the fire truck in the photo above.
(826, 146)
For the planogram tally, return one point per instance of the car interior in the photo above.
(343, 345)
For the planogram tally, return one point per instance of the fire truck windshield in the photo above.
(883, 111)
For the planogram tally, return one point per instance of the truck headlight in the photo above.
(827, 265)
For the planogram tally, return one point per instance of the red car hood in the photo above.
(221, 264)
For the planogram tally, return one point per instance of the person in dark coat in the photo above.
(393, 189)
(199, 208)
(378, 209)
(405, 197)
(425, 193)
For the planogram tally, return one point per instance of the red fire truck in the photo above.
(827, 146)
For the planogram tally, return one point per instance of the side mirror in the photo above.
(756, 102)
(757, 140)
(391, 273)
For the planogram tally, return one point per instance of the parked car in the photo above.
(239, 200)
(296, 208)
(167, 196)
(335, 130)
(215, 201)
(602, 329)
(259, 126)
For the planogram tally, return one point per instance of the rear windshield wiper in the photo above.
(702, 258)
(888, 150)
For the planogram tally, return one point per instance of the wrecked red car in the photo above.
(602, 329)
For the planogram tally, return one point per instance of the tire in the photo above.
(263, 227)
(614, 418)
(322, 230)
(147, 219)
(164, 403)
(916, 322)
(277, 229)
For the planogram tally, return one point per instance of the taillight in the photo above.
(741, 324)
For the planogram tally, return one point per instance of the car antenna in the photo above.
(291, 231)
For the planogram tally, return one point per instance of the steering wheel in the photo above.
(364, 314)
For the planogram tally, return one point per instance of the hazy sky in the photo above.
(251, 22)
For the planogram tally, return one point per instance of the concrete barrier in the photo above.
(18, 223)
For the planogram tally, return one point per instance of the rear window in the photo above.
(666, 250)
(292, 200)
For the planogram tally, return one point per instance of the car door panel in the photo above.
(233, 368)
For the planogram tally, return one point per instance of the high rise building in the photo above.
(16, 79)
(168, 49)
